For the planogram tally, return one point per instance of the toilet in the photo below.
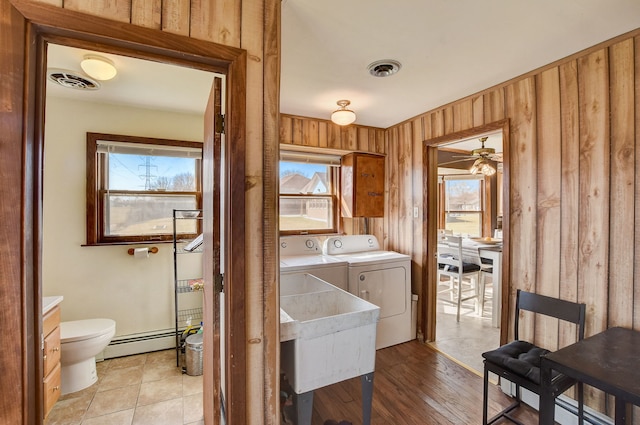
(80, 342)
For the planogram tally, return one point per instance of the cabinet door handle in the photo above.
(44, 357)
(56, 388)
(55, 349)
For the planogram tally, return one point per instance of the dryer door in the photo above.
(385, 288)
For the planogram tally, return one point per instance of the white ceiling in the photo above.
(448, 50)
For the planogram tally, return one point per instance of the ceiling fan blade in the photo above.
(456, 161)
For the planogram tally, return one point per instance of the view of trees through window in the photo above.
(463, 206)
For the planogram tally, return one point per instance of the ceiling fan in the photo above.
(482, 152)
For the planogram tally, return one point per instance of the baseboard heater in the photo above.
(566, 407)
(145, 342)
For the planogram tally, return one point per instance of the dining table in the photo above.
(607, 360)
(491, 250)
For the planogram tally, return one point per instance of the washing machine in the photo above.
(303, 254)
(380, 277)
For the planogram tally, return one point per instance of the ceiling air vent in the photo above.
(72, 79)
(384, 68)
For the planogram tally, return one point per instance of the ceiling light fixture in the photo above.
(98, 67)
(483, 166)
(343, 116)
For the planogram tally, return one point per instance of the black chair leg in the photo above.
(580, 404)
(485, 399)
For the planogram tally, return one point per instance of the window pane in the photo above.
(302, 178)
(306, 213)
(463, 195)
(153, 173)
(464, 223)
(127, 215)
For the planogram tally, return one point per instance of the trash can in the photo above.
(193, 354)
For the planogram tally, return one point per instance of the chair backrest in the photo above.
(561, 309)
(449, 250)
(451, 247)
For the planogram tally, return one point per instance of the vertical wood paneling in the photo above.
(335, 139)
(176, 16)
(349, 136)
(478, 111)
(296, 131)
(15, 312)
(462, 115)
(146, 13)
(418, 136)
(636, 262)
(570, 197)
(621, 243)
(405, 189)
(593, 86)
(201, 22)
(437, 123)
(363, 139)
(286, 130)
(548, 184)
(323, 136)
(520, 107)
(392, 179)
(261, 351)
(118, 10)
(494, 106)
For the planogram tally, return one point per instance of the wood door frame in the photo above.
(40, 24)
(430, 225)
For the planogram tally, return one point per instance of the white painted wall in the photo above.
(102, 281)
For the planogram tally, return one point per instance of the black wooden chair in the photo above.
(519, 361)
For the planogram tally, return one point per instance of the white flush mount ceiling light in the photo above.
(343, 116)
(384, 68)
(98, 67)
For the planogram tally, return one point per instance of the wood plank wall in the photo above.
(574, 202)
(316, 134)
(255, 27)
(574, 164)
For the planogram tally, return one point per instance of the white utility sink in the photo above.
(328, 334)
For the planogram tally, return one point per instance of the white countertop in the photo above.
(49, 302)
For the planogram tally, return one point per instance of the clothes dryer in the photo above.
(303, 254)
(380, 277)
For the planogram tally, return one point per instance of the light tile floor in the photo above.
(465, 341)
(145, 389)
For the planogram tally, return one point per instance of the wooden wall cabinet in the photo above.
(362, 182)
(51, 381)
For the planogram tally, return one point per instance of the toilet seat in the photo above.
(79, 330)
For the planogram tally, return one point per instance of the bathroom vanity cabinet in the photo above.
(187, 269)
(51, 357)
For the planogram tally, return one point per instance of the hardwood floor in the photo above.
(414, 385)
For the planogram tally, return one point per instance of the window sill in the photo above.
(126, 243)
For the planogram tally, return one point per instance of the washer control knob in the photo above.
(362, 278)
(337, 243)
(309, 243)
(283, 244)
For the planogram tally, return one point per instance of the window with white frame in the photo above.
(135, 183)
(308, 193)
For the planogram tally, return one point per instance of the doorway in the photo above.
(434, 219)
(470, 205)
(57, 26)
(146, 102)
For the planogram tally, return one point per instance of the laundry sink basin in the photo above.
(328, 335)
